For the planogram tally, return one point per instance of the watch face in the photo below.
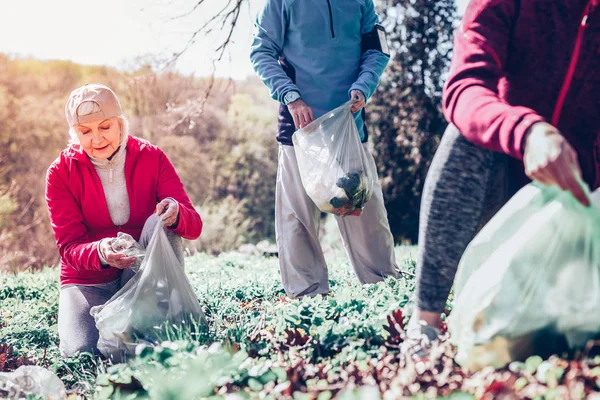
(291, 96)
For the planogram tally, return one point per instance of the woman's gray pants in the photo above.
(76, 327)
(465, 186)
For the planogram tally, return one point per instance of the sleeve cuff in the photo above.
(521, 134)
(103, 262)
(362, 88)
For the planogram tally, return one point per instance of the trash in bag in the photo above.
(334, 167)
(529, 283)
(157, 295)
(126, 244)
(31, 380)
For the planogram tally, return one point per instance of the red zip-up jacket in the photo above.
(517, 62)
(79, 213)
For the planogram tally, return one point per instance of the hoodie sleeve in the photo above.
(470, 97)
(267, 46)
(372, 62)
(74, 245)
(189, 225)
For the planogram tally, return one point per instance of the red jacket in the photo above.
(519, 62)
(79, 213)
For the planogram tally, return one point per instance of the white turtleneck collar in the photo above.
(117, 159)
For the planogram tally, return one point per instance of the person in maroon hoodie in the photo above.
(104, 183)
(523, 102)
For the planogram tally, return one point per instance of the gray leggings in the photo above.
(465, 186)
(76, 327)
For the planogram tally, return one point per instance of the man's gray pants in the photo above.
(366, 238)
(76, 327)
(465, 186)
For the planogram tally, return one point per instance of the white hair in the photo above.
(87, 108)
(91, 107)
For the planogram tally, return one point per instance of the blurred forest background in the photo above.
(222, 146)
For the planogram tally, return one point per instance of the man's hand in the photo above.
(302, 113)
(359, 100)
(551, 160)
(113, 258)
(168, 210)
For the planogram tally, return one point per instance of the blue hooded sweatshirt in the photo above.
(314, 47)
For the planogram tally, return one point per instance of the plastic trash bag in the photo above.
(31, 380)
(158, 294)
(335, 170)
(530, 280)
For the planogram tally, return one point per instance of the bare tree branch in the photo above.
(236, 14)
(204, 29)
(228, 16)
(198, 4)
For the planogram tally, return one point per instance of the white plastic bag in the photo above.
(529, 278)
(334, 168)
(32, 380)
(159, 293)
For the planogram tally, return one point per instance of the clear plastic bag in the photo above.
(30, 380)
(159, 294)
(334, 168)
(530, 280)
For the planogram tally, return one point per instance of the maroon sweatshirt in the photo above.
(519, 62)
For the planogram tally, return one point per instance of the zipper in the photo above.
(110, 169)
(573, 63)
(331, 19)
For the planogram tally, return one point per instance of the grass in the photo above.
(260, 344)
(240, 294)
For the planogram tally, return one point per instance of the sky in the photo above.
(116, 32)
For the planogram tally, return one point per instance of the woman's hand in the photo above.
(551, 160)
(113, 258)
(168, 211)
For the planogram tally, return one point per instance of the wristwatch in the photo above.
(290, 97)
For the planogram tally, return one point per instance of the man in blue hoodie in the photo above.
(314, 55)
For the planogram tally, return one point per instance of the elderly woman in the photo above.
(104, 183)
